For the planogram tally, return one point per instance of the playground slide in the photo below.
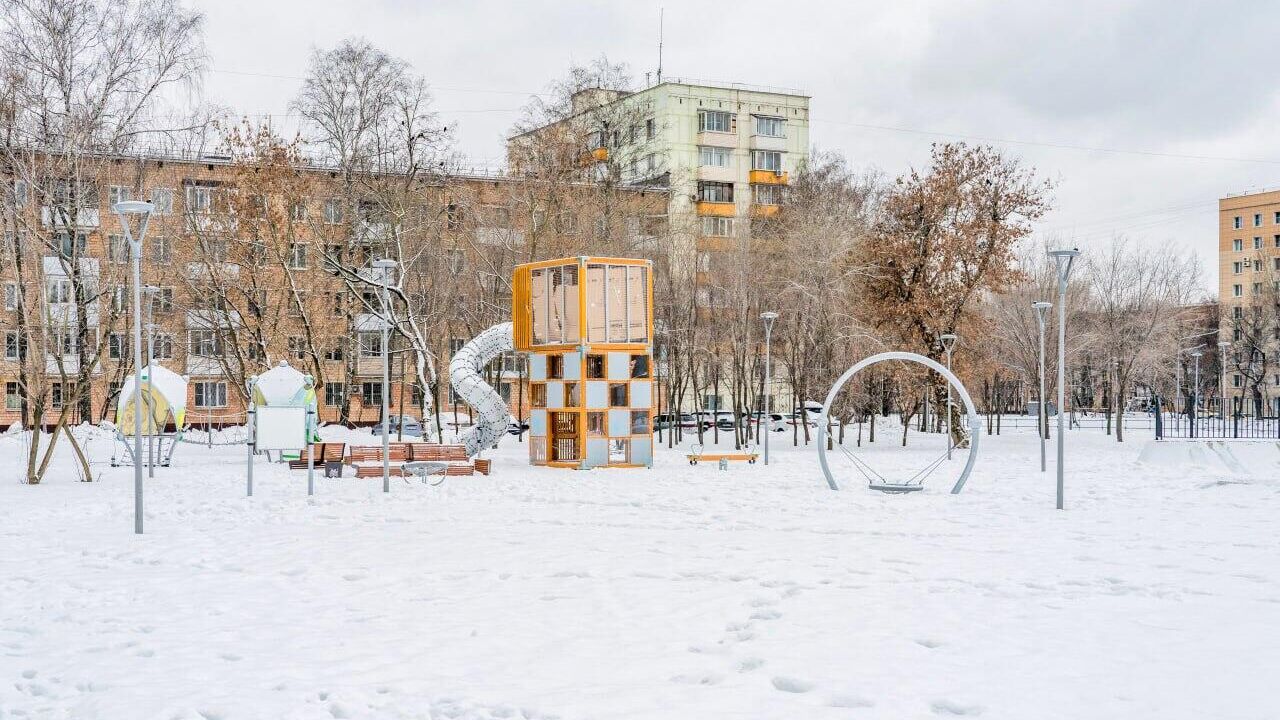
(491, 415)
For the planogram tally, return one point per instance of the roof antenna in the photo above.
(660, 12)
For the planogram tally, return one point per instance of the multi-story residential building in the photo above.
(725, 151)
(245, 276)
(1249, 298)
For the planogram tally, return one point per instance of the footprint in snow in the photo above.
(850, 701)
(230, 657)
(766, 615)
(950, 707)
(748, 664)
(928, 643)
(792, 685)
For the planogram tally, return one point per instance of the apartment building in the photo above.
(725, 152)
(241, 283)
(1249, 296)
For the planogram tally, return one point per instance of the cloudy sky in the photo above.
(1144, 113)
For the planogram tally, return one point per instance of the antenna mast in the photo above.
(660, 12)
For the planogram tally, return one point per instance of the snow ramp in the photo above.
(1240, 458)
(465, 376)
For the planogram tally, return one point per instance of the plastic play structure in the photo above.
(164, 404)
(282, 416)
(914, 482)
(587, 325)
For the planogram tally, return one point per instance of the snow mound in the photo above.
(1244, 458)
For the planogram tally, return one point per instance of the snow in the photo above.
(679, 592)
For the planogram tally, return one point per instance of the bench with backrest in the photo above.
(455, 455)
(367, 459)
(328, 456)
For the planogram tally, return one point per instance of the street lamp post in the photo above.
(1195, 391)
(948, 344)
(387, 267)
(1222, 382)
(768, 318)
(1042, 414)
(123, 210)
(151, 291)
(1063, 260)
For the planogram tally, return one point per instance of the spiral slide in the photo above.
(491, 416)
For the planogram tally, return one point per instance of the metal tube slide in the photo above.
(491, 415)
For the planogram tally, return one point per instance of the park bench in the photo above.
(698, 455)
(327, 456)
(455, 455)
(367, 459)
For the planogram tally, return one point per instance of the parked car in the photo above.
(689, 421)
(412, 426)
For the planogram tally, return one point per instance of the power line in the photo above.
(1055, 145)
(450, 88)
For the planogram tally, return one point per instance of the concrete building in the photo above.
(726, 153)
(1249, 296)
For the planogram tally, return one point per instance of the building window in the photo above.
(57, 395)
(370, 344)
(210, 394)
(1257, 288)
(714, 156)
(199, 199)
(371, 393)
(1238, 244)
(10, 296)
(298, 347)
(215, 250)
(1257, 219)
(333, 394)
(766, 160)
(715, 121)
(162, 199)
(650, 129)
(1237, 266)
(162, 346)
(204, 343)
(1257, 242)
(717, 226)
(639, 422)
(298, 211)
(161, 250)
(767, 194)
(70, 245)
(770, 126)
(1237, 290)
(1236, 381)
(117, 346)
(117, 249)
(15, 346)
(333, 211)
(59, 291)
(118, 194)
(12, 396)
(298, 256)
(715, 192)
(20, 193)
(703, 262)
(164, 300)
(1237, 223)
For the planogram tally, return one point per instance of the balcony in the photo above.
(768, 142)
(61, 217)
(715, 173)
(717, 139)
(717, 209)
(764, 211)
(769, 177)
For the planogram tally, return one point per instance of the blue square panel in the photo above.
(641, 394)
(555, 394)
(597, 452)
(597, 394)
(619, 423)
(642, 451)
(538, 423)
(572, 366)
(619, 366)
(537, 367)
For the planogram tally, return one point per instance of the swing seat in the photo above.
(895, 488)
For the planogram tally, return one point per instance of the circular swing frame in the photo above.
(971, 414)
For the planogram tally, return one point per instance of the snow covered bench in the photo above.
(327, 455)
(455, 455)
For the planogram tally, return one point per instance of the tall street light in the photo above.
(948, 344)
(1222, 382)
(768, 318)
(1042, 414)
(1063, 260)
(386, 268)
(151, 292)
(123, 210)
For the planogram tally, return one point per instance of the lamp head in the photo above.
(769, 315)
(1041, 305)
(1064, 253)
(133, 207)
(1197, 354)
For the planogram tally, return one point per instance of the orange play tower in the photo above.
(587, 323)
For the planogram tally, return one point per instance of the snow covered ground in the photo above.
(681, 592)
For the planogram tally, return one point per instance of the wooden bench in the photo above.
(327, 456)
(367, 459)
(456, 455)
(697, 455)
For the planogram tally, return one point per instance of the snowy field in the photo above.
(681, 592)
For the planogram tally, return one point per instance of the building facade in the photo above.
(252, 264)
(1249, 299)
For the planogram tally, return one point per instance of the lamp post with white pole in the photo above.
(386, 268)
(123, 210)
(1063, 260)
(948, 344)
(151, 292)
(768, 318)
(1222, 382)
(1042, 413)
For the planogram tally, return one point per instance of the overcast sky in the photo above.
(1144, 113)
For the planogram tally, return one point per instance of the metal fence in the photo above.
(1191, 425)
